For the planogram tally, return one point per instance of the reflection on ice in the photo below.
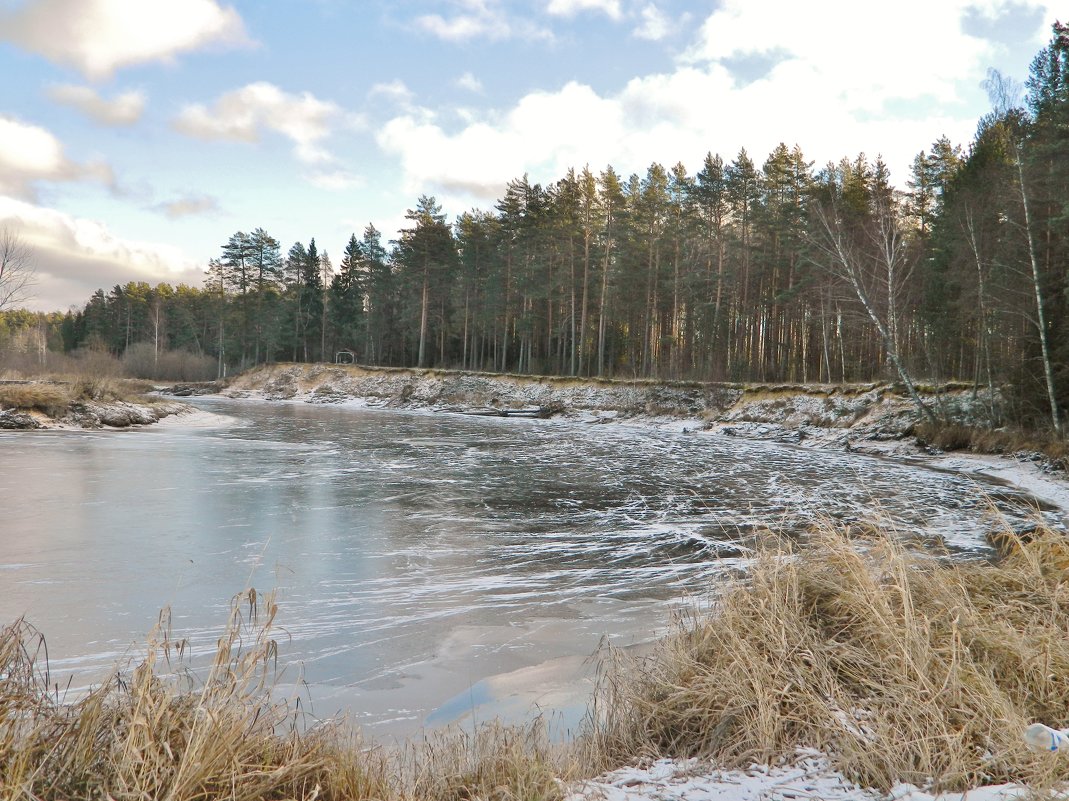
(415, 554)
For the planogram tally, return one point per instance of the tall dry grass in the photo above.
(956, 437)
(901, 666)
(160, 733)
(49, 399)
(163, 732)
(54, 396)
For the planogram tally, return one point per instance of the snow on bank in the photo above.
(197, 418)
(808, 776)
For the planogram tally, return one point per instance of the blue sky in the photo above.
(137, 135)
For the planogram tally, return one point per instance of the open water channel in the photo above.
(415, 554)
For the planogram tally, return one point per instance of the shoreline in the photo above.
(809, 771)
(867, 419)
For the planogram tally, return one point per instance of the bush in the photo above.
(141, 361)
(953, 437)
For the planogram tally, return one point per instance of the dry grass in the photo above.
(156, 734)
(952, 437)
(162, 733)
(900, 666)
(54, 396)
(495, 763)
(50, 399)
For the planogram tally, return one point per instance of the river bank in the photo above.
(848, 416)
(314, 466)
(871, 419)
(850, 670)
(81, 404)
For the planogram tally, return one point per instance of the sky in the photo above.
(137, 135)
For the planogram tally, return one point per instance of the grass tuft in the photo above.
(50, 399)
(899, 666)
(954, 437)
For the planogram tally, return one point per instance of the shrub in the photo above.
(142, 361)
(952, 437)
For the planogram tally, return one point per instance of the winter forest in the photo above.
(772, 269)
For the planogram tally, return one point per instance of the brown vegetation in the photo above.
(49, 399)
(899, 665)
(54, 397)
(162, 732)
(1003, 441)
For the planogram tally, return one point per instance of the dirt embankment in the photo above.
(29, 405)
(847, 415)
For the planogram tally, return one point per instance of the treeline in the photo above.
(777, 271)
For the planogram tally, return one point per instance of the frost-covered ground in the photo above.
(808, 776)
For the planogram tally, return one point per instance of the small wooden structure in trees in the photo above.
(345, 357)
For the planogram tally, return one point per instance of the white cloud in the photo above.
(545, 132)
(666, 117)
(655, 25)
(827, 87)
(867, 58)
(98, 37)
(243, 114)
(124, 109)
(569, 8)
(393, 92)
(29, 153)
(479, 19)
(75, 256)
(189, 206)
(469, 82)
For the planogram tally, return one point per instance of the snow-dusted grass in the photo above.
(899, 666)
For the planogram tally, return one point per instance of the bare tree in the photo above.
(878, 258)
(17, 269)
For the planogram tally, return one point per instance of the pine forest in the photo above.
(749, 268)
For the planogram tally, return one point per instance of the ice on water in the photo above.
(417, 554)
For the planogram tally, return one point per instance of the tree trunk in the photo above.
(1041, 320)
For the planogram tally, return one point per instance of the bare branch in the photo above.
(17, 269)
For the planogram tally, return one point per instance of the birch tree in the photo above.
(863, 259)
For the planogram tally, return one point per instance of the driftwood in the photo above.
(539, 412)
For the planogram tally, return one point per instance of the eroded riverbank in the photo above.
(872, 419)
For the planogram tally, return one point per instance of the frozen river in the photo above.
(414, 554)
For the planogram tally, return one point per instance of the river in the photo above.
(416, 554)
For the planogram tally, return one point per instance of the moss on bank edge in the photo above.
(899, 665)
